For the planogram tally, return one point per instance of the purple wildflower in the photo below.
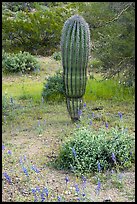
(25, 171)
(106, 124)
(80, 112)
(93, 115)
(98, 187)
(78, 199)
(42, 197)
(45, 190)
(38, 189)
(3, 147)
(25, 158)
(21, 160)
(84, 179)
(33, 191)
(99, 168)
(76, 188)
(66, 179)
(84, 105)
(90, 122)
(35, 169)
(74, 152)
(113, 157)
(120, 115)
(7, 177)
(9, 152)
(59, 198)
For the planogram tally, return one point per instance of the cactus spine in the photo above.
(75, 45)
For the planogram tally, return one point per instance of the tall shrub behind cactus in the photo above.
(75, 44)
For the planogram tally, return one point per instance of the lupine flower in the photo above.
(76, 188)
(33, 191)
(99, 168)
(9, 152)
(83, 194)
(25, 171)
(106, 124)
(113, 157)
(78, 199)
(84, 105)
(3, 147)
(7, 177)
(84, 179)
(21, 160)
(98, 187)
(42, 197)
(74, 152)
(67, 180)
(90, 122)
(80, 112)
(45, 190)
(112, 171)
(35, 169)
(25, 158)
(59, 198)
(38, 189)
(93, 115)
(120, 115)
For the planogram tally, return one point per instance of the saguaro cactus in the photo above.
(75, 45)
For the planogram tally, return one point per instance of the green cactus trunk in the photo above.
(75, 43)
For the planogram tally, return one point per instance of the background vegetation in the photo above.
(36, 27)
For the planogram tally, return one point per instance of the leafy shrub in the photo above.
(21, 62)
(83, 151)
(95, 64)
(53, 88)
(57, 56)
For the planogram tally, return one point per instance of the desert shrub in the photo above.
(85, 149)
(21, 62)
(95, 64)
(57, 56)
(53, 88)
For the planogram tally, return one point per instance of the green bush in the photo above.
(53, 88)
(57, 56)
(95, 64)
(92, 147)
(21, 62)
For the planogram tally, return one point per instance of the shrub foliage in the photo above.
(21, 62)
(83, 151)
(53, 88)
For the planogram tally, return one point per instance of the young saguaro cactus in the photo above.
(75, 46)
